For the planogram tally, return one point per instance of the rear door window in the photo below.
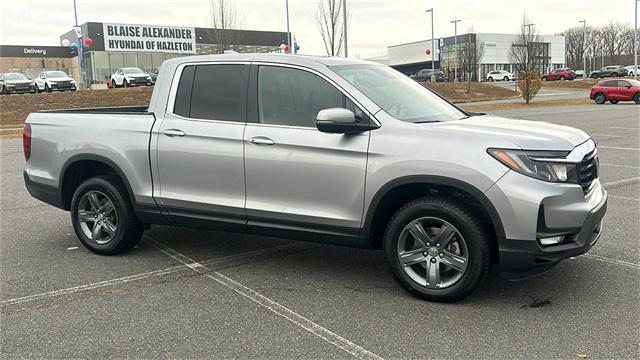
(219, 92)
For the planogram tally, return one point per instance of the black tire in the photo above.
(3, 91)
(125, 83)
(128, 229)
(636, 98)
(476, 238)
(47, 88)
(490, 79)
(613, 101)
(544, 78)
(506, 78)
(600, 98)
(561, 78)
(594, 76)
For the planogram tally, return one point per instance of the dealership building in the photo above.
(495, 48)
(132, 45)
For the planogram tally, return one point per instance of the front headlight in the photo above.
(544, 165)
(53, 83)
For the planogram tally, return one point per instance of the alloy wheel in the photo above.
(432, 252)
(98, 217)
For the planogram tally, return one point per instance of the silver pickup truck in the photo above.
(324, 149)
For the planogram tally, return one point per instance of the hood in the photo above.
(61, 78)
(18, 82)
(528, 135)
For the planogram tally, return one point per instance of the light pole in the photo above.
(584, 48)
(288, 31)
(635, 44)
(344, 26)
(75, 14)
(433, 49)
(455, 41)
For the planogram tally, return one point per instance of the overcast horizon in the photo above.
(374, 24)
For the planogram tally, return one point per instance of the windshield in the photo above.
(132, 71)
(14, 76)
(56, 74)
(398, 95)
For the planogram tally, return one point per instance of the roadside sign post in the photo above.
(635, 44)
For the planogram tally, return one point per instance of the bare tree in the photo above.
(225, 21)
(328, 20)
(614, 41)
(527, 56)
(470, 55)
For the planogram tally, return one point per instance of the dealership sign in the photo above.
(149, 38)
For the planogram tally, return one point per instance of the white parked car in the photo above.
(498, 75)
(631, 71)
(130, 76)
(54, 80)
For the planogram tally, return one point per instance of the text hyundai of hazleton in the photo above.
(324, 149)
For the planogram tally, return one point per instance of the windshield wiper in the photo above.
(425, 121)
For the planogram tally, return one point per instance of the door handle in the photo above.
(173, 132)
(261, 140)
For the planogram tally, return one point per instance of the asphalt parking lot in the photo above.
(186, 293)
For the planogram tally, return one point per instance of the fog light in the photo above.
(551, 240)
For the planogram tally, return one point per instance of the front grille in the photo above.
(588, 170)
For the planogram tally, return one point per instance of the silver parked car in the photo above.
(324, 149)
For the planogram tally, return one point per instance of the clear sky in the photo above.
(374, 25)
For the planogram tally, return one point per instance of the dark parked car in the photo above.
(616, 90)
(559, 74)
(16, 83)
(609, 71)
(425, 75)
(154, 74)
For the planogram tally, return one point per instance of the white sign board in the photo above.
(149, 38)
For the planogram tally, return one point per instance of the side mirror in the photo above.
(340, 121)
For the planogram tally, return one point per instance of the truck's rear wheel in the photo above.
(437, 249)
(103, 218)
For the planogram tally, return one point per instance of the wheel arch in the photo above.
(81, 167)
(397, 192)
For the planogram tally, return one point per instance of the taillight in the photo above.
(26, 141)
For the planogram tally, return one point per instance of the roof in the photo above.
(302, 60)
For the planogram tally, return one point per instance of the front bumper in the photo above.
(63, 86)
(20, 89)
(525, 258)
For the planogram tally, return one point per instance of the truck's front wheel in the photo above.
(103, 218)
(437, 249)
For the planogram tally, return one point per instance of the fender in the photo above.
(437, 180)
(97, 158)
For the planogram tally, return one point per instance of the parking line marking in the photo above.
(618, 148)
(623, 197)
(130, 278)
(624, 166)
(623, 182)
(271, 305)
(613, 261)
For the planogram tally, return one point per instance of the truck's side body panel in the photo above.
(60, 138)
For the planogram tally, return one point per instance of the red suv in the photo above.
(616, 90)
(559, 74)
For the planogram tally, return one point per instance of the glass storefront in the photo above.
(99, 65)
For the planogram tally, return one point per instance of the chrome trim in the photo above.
(575, 156)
